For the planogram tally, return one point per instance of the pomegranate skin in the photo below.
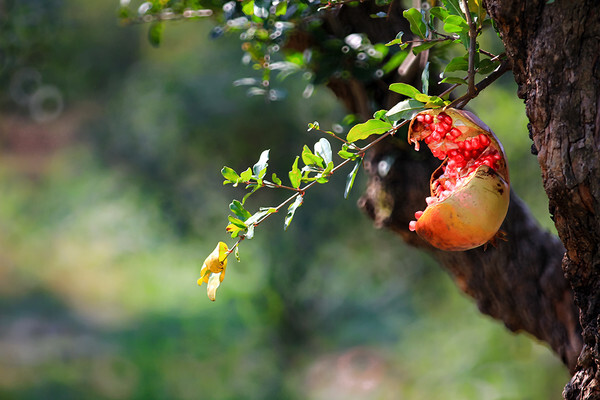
(470, 217)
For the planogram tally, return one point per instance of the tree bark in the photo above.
(519, 282)
(554, 53)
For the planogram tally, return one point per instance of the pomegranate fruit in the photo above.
(470, 190)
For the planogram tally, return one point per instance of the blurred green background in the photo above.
(111, 198)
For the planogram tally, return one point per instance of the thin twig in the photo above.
(472, 48)
(487, 81)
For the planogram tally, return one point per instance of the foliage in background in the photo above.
(100, 241)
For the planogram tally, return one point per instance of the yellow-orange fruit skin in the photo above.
(469, 217)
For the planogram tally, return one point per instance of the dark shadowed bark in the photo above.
(519, 282)
(554, 52)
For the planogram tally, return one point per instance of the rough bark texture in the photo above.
(520, 282)
(555, 58)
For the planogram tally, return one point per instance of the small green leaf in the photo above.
(236, 253)
(292, 210)
(248, 7)
(246, 175)
(347, 155)
(397, 40)
(425, 46)
(237, 222)
(456, 24)
(313, 125)
(454, 80)
(440, 13)
(435, 102)
(295, 175)
(364, 130)
(415, 18)
(260, 168)
(405, 89)
(155, 33)
(351, 177)
(230, 175)
(405, 109)
(425, 79)
(323, 150)
(486, 66)
(324, 176)
(281, 8)
(453, 7)
(275, 179)
(255, 188)
(238, 209)
(457, 64)
(394, 61)
(311, 159)
(234, 230)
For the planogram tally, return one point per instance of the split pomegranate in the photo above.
(470, 190)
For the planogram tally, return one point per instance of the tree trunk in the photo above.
(554, 53)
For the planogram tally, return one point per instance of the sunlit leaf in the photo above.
(237, 222)
(351, 177)
(323, 149)
(311, 159)
(246, 175)
(405, 89)
(292, 211)
(295, 174)
(405, 109)
(281, 8)
(238, 209)
(454, 80)
(440, 13)
(275, 179)
(456, 24)
(453, 7)
(415, 18)
(230, 175)
(364, 130)
(425, 46)
(260, 168)
(486, 66)
(397, 40)
(394, 61)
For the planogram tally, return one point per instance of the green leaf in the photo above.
(456, 24)
(234, 230)
(457, 64)
(406, 109)
(275, 179)
(313, 125)
(440, 13)
(347, 155)
(248, 7)
(230, 175)
(397, 40)
(435, 102)
(260, 168)
(237, 222)
(292, 210)
(324, 176)
(246, 175)
(236, 253)
(453, 7)
(281, 8)
(364, 130)
(295, 175)
(394, 61)
(425, 46)
(351, 177)
(238, 209)
(454, 80)
(405, 89)
(415, 18)
(486, 66)
(323, 150)
(311, 159)
(256, 187)
(425, 79)
(155, 33)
